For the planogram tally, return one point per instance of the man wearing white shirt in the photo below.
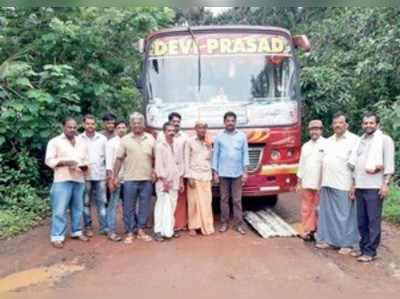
(309, 178)
(68, 157)
(373, 162)
(337, 214)
(112, 148)
(95, 185)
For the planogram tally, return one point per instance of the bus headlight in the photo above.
(290, 152)
(275, 155)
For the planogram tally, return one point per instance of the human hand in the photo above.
(384, 191)
(191, 183)
(244, 178)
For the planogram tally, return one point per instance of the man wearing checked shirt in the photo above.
(230, 162)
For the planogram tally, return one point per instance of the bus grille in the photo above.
(255, 155)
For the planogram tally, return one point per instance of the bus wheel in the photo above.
(271, 201)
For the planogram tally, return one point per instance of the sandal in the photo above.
(322, 246)
(128, 239)
(308, 237)
(58, 244)
(356, 253)
(114, 237)
(365, 259)
(144, 237)
(345, 251)
(158, 237)
(82, 238)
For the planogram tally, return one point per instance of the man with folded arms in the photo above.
(198, 153)
(373, 162)
(68, 157)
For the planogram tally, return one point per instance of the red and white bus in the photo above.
(203, 72)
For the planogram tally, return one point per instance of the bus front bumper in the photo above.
(270, 180)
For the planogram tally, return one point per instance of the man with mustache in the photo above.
(337, 215)
(198, 152)
(67, 155)
(169, 183)
(309, 178)
(230, 162)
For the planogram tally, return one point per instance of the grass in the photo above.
(13, 223)
(391, 210)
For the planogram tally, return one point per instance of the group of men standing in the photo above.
(105, 166)
(343, 181)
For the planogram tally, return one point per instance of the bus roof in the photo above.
(225, 28)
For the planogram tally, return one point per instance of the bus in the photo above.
(203, 72)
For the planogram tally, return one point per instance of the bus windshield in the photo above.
(259, 86)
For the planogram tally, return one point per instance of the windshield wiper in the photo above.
(198, 57)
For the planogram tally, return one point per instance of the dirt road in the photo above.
(220, 266)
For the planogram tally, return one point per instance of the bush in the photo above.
(23, 200)
(390, 114)
(13, 222)
(391, 209)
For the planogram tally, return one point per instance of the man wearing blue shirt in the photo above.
(230, 162)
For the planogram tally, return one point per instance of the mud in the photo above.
(219, 266)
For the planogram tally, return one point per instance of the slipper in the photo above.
(114, 237)
(144, 237)
(322, 246)
(356, 253)
(128, 240)
(308, 238)
(58, 244)
(365, 259)
(345, 251)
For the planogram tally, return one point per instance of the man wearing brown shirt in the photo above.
(136, 152)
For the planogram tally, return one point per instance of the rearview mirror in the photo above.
(140, 84)
(302, 42)
(139, 45)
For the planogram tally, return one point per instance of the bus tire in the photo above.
(271, 201)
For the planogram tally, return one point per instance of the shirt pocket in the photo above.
(237, 145)
(343, 155)
(147, 150)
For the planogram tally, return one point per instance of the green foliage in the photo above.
(58, 62)
(390, 114)
(22, 201)
(391, 209)
(15, 222)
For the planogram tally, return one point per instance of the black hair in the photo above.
(230, 114)
(109, 117)
(120, 121)
(372, 114)
(340, 114)
(67, 119)
(88, 116)
(174, 114)
(166, 125)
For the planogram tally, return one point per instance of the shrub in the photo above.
(391, 209)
